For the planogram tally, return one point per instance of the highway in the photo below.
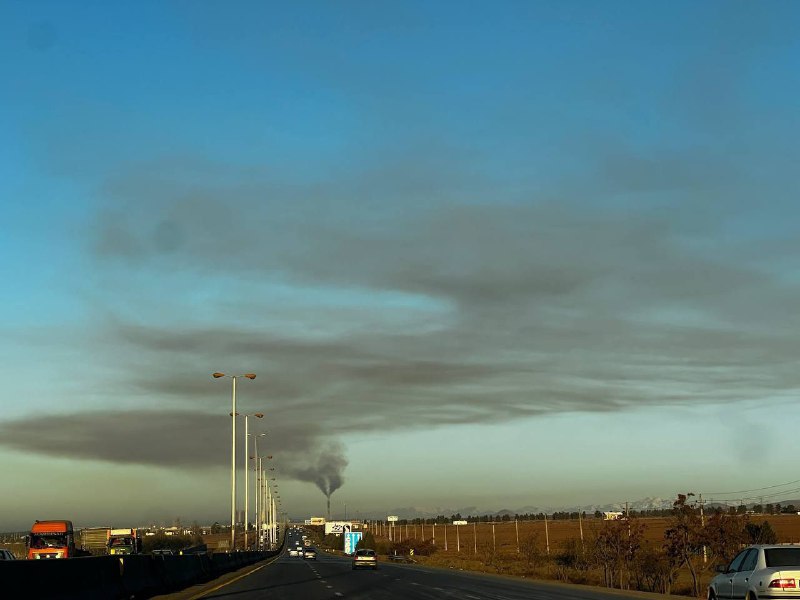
(331, 577)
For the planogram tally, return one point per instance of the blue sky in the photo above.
(486, 255)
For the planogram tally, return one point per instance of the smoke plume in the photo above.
(326, 472)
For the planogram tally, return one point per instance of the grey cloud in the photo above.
(171, 438)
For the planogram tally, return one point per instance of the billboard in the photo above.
(459, 522)
(351, 539)
(338, 527)
(317, 521)
(393, 518)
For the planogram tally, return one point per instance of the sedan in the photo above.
(293, 552)
(759, 572)
(365, 558)
(310, 553)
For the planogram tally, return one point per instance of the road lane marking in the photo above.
(339, 594)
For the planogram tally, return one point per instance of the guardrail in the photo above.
(116, 577)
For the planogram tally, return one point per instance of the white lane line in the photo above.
(330, 587)
(414, 583)
(339, 594)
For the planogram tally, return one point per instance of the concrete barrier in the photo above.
(116, 577)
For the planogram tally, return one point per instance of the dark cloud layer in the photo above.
(170, 438)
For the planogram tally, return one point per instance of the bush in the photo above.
(367, 541)
(760, 534)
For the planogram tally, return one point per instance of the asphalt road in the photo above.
(331, 577)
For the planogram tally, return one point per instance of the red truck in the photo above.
(51, 539)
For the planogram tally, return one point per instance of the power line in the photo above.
(769, 487)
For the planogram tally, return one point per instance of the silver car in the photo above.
(759, 572)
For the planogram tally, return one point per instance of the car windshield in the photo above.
(782, 557)
(365, 553)
(50, 540)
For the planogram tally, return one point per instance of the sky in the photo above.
(480, 255)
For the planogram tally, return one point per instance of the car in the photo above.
(310, 553)
(758, 572)
(365, 558)
(7, 554)
(293, 552)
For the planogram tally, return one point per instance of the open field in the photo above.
(463, 539)
(493, 548)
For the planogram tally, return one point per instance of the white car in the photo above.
(293, 552)
(759, 572)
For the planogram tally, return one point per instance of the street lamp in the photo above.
(217, 375)
(246, 471)
(257, 486)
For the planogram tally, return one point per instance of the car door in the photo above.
(741, 579)
(724, 581)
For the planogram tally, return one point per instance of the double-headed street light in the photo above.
(246, 471)
(217, 375)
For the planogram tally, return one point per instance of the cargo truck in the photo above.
(124, 541)
(51, 539)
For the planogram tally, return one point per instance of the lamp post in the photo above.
(257, 486)
(246, 471)
(217, 375)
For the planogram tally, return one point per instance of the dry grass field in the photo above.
(493, 548)
(462, 539)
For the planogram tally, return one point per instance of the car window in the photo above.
(782, 557)
(749, 562)
(737, 562)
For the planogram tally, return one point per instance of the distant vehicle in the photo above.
(310, 553)
(7, 554)
(162, 552)
(759, 572)
(51, 539)
(293, 552)
(124, 541)
(365, 558)
(93, 539)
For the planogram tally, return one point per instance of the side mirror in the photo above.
(721, 568)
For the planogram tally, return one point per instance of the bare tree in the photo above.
(683, 540)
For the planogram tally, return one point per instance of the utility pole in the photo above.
(580, 525)
(516, 526)
(703, 525)
(546, 534)
(628, 518)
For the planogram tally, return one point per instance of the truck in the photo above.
(94, 540)
(124, 541)
(51, 539)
